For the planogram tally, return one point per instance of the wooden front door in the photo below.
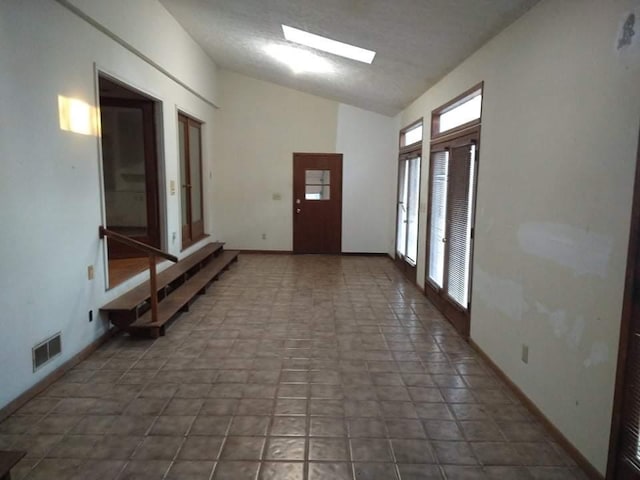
(317, 203)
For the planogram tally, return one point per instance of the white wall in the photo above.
(260, 126)
(164, 41)
(50, 183)
(369, 143)
(558, 145)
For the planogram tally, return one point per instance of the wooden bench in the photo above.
(8, 460)
(180, 298)
(176, 286)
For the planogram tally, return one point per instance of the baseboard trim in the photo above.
(557, 435)
(290, 252)
(47, 381)
(264, 252)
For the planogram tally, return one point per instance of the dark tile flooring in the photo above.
(290, 367)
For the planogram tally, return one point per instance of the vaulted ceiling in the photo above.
(417, 41)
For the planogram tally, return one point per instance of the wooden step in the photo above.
(8, 460)
(131, 300)
(179, 299)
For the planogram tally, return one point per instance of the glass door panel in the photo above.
(413, 198)
(440, 172)
(196, 173)
(184, 190)
(459, 225)
(403, 190)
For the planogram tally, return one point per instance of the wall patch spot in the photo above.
(584, 252)
(502, 294)
(599, 354)
(628, 31)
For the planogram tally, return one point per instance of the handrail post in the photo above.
(154, 287)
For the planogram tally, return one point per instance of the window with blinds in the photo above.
(452, 180)
(408, 201)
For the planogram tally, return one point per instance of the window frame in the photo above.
(436, 135)
(192, 231)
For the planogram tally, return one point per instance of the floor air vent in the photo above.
(45, 351)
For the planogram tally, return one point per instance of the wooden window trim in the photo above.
(435, 114)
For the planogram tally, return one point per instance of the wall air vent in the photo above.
(45, 351)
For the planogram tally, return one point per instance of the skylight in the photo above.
(327, 45)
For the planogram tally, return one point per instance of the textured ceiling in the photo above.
(417, 41)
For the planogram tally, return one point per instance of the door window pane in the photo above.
(440, 169)
(412, 218)
(184, 190)
(403, 189)
(317, 192)
(317, 177)
(317, 184)
(195, 166)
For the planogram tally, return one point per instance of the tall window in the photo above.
(408, 201)
(190, 144)
(452, 180)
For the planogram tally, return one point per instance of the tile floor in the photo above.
(306, 367)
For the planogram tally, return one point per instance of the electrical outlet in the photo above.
(525, 353)
(90, 272)
(264, 236)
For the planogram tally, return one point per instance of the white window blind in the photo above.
(459, 223)
(440, 168)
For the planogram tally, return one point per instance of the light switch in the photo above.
(172, 187)
(276, 196)
(90, 272)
